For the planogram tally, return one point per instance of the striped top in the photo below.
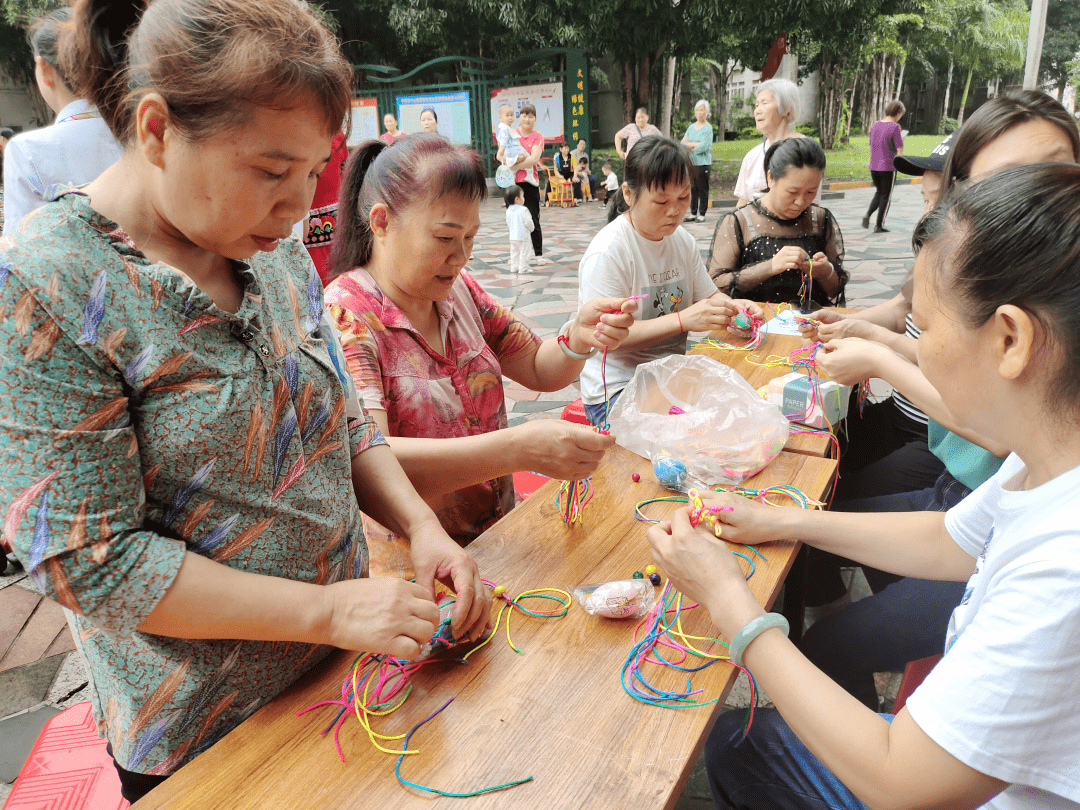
(903, 403)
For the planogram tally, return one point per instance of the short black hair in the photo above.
(7, 132)
(511, 194)
(656, 161)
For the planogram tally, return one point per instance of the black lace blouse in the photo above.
(751, 235)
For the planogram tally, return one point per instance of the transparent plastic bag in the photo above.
(621, 599)
(703, 415)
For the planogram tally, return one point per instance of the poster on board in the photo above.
(365, 121)
(451, 110)
(548, 100)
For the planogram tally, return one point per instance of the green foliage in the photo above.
(948, 125)
(809, 129)
(1061, 43)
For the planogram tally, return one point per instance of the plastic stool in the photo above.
(526, 483)
(68, 768)
(913, 675)
(575, 412)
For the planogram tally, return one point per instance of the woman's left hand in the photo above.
(605, 322)
(821, 268)
(436, 557)
(703, 568)
(850, 360)
(751, 307)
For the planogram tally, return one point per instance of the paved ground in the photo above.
(39, 670)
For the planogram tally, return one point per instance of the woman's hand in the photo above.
(790, 258)
(821, 268)
(604, 322)
(748, 521)
(704, 569)
(562, 450)
(715, 312)
(811, 330)
(853, 328)
(850, 360)
(750, 306)
(381, 615)
(436, 557)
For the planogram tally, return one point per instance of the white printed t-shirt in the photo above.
(1004, 699)
(619, 263)
(612, 182)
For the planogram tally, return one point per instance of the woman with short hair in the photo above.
(699, 139)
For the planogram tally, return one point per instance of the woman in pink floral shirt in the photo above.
(427, 347)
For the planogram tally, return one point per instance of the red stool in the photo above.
(526, 483)
(575, 412)
(68, 768)
(914, 673)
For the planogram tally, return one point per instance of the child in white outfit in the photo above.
(519, 222)
(511, 152)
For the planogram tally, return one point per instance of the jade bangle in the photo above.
(753, 629)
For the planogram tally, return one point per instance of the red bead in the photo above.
(635, 477)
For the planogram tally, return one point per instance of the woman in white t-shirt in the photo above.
(74, 150)
(996, 724)
(646, 251)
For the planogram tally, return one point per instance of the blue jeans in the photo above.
(903, 621)
(597, 414)
(771, 768)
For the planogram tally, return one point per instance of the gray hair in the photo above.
(787, 97)
(702, 103)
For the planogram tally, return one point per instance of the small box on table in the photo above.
(795, 392)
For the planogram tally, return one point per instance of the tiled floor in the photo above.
(38, 668)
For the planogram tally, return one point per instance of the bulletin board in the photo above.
(452, 110)
(365, 121)
(548, 100)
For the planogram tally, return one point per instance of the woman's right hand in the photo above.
(714, 312)
(810, 330)
(566, 451)
(791, 257)
(381, 615)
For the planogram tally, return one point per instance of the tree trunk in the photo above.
(963, 99)
(668, 100)
(948, 88)
(628, 91)
(829, 98)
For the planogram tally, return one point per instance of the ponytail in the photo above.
(45, 36)
(352, 243)
(93, 52)
(416, 167)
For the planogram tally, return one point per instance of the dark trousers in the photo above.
(699, 191)
(133, 786)
(532, 202)
(903, 621)
(771, 769)
(883, 183)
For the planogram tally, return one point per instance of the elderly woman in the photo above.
(392, 132)
(698, 139)
(775, 111)
(634, 132)
(429, 121)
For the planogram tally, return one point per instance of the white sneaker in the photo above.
(540, 260)
(701, 218)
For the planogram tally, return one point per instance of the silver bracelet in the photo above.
(564, 344)
(753, 629)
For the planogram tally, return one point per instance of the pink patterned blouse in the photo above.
(429, 395)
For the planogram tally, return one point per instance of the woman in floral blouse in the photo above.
(182, 465)
(427, 347)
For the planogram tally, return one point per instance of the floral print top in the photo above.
(429, 395)
(141, 423)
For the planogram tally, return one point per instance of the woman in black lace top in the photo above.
(782, 247)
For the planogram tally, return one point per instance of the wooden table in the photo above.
(557, 712)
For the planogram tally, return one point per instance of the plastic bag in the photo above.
(724, 433)
(621, 599)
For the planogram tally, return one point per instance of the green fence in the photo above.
(479, 78)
